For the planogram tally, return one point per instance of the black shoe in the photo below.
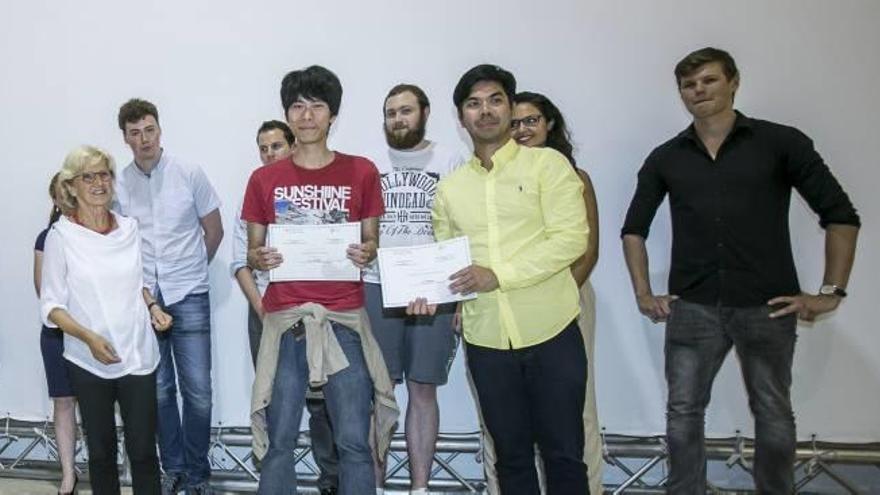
(328, 491)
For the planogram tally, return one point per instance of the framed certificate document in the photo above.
(410, 272)
(314, 252)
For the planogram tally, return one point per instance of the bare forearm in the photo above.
(148, 297)
(370, 236)
(38, 270)
(70, 326)
(212, 242)
(636, 256)
(840, 252)
(248, 285)
(213, 228)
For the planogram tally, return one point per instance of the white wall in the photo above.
(214, 67)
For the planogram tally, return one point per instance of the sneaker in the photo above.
(172, 484)
(202, 488)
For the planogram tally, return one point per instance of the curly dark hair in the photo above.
(558, 137)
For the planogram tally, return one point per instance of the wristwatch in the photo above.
(832, 290)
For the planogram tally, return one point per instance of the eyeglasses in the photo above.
(531, 121)
(91, 177)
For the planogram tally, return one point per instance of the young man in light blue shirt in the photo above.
(178, 213)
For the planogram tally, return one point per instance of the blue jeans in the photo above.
(698, 338)
(348, 395)
(185, 351)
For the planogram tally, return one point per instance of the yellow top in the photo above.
(526, 221)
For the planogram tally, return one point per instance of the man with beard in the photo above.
(416, 348)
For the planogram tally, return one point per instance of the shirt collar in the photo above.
(502, 155)
(160, 165)
(741, 122)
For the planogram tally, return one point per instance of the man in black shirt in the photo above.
(732, 281)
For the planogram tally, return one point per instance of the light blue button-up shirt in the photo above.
(168, 205)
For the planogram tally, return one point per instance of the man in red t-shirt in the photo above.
(314, 186)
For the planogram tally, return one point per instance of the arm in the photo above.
(248, 284)
(38, 270)
(814, 181)
(100, 347)
(583, 266)
(158, 317)
(565, 229)
(243, 274)
(213, 227)
(840, 252)
(650, 191)
(654, 307)
(365, 252)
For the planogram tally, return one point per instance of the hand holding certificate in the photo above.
(412, 272)
(314, 251)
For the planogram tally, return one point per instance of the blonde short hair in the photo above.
(75, 162)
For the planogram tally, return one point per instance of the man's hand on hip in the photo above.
(806, 306)
(655, 307)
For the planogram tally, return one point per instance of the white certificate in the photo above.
(410, 272)
(314, 252)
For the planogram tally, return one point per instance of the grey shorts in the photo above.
(420, 349)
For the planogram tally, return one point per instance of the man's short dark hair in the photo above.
(411, 88)
(312, 83)
(696, 59)
(134, 110)
(484, 72)
(270, 125)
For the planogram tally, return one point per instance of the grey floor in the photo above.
(33, 487)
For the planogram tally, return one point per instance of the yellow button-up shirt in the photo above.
(526, 221)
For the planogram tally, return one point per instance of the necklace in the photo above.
(103, 231)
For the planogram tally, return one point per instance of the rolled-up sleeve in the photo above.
(565, 229)
(53, 284)
(650, 191)
(816, 184)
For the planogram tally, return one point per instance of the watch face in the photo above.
(832, 290)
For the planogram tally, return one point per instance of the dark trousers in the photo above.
(136, 395)
(698, 338)
(535, 395)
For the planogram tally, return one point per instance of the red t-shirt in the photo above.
(346, 190)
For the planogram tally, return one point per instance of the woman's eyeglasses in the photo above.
(91, 177)
(531, 121)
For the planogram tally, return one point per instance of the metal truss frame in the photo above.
(28, 450)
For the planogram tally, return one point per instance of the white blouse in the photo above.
(98, 279)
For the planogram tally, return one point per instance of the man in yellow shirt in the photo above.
(522, 210)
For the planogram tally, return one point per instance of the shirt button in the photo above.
(718, 219)
(720, 244)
